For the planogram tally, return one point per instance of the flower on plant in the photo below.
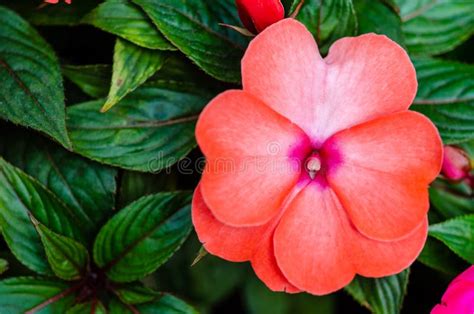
(256, 15)
(317, 171)
(456, 163)
(459, 297)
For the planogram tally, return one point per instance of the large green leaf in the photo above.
(381, 295)
(85, 187)
(457, 234)
(451, 200)
(125, 19)
(31, 92)
(133, 65)
(164, 304)
(143, 235)
(193, 27)
(150, 129)
(20, 197)
(329, 20)
(38, 12)
(94, 80)
(23, 294)
(68, 258)
(437, 256)
(446, 96)
(378, 17)
(435, 26)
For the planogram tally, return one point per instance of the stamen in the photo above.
(313, 165)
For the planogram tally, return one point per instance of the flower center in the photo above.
(313, 165)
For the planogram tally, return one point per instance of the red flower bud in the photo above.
(256, 15)
(456, 163)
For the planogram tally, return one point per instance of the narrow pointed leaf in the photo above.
(446, 96)
(20, 197)
(85, 187)
(127, 20)
(458, 235)
(133, 65)
(23, 294)
(193, 27)
(434, 27)
(143, 235)
(31, 92)
(94, 80)
(68, 258)
(381, 295)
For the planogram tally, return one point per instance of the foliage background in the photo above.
(159, 61)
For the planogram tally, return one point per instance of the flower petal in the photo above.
(374, 258)
(240, 244)
(383, 176)
(249, 148)
(319, 250)
(369, 76)
(362, 78)
(282, 66)
(310, 246)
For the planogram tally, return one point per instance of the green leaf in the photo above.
(328, 20)
(92, 307)
(451, 200)
(31, 93)
(125, 19)
(193, 27)
(39, 13)
(68, 258)
(381, 295)
(378, 17)
(134, 185)
(434, 27)
(23, 294)
(85, 187)
(260, 300)
(446, 96)
(3, 265)
(458, 235)
(133, 65)
(165, 304)
(149, 130)
(136, 294)
(20, 197)
(94, 80)
(143, 235)
(437, 256)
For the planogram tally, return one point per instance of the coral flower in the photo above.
(459, 297)
(316, 171)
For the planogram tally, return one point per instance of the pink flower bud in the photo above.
(456, 163)
(256, 15)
